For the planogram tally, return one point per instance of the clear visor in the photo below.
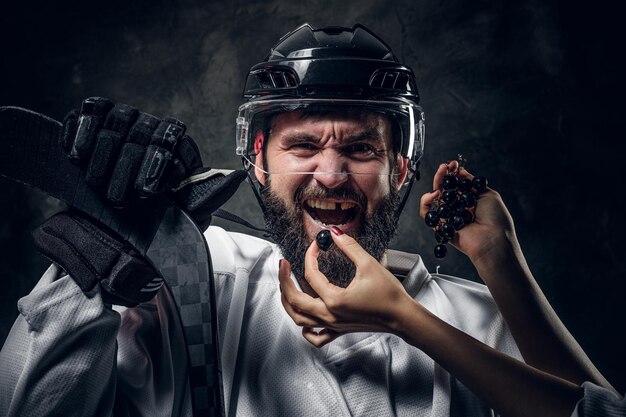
(407, 122)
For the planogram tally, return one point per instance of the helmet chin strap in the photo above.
(247, 164)
(413, 176)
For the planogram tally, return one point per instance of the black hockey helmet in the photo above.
(331, 62)
(327, 69)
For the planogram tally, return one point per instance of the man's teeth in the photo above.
(329, 205)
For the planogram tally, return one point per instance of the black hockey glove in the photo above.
(129, 154)
(94, 255)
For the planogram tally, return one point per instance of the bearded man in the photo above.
(330, 134)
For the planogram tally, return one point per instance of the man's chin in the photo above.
(294, 230)
(336, 266)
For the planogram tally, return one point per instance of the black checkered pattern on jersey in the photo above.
(180, 252)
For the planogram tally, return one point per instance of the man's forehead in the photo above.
(352, 121)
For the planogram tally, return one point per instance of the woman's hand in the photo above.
(492, 226)
(374, 300)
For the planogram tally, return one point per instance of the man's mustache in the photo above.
(306, 192)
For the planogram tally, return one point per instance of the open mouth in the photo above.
(331, 212)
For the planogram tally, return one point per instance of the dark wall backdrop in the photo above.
(529, 91)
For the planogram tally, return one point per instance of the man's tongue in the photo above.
(333, 216)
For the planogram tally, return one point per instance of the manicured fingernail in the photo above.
(337, 231)
(280, 264)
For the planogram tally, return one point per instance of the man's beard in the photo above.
(286, 227)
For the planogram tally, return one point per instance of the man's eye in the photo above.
(359, 148)
(305, 146)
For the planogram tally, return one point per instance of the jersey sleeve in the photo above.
(599, 402)
(60, 355)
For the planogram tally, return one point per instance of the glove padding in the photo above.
(127, 153)
(94, 255)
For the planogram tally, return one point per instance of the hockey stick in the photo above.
(165, 234)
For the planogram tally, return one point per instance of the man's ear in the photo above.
(259, 140)
(402, 165)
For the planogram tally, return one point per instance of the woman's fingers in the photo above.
(299, 317)
(301, 307)
(442, 171)
(319, 339)
(348, 245)
(426, 202)
(316, 279)
(439, 174)
(427, 199)
(463, 173)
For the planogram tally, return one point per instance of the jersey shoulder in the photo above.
(231, 251)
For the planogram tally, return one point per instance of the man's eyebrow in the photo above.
(364, 136)
(299, 138)
(372, 135)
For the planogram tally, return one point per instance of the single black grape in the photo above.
(468, 198)
(458, 222)
(449, 196)
(448, 230)
(444, 211)
(480, 184)
(465, 184)
(432, 218)
(450, 182)
(458, 205)
(468, 217)
(440, 238)
(440, 251)
(324, 240)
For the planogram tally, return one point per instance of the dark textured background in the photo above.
(530, 92)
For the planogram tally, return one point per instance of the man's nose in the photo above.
(332, 171)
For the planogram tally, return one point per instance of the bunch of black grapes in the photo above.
(454, 208)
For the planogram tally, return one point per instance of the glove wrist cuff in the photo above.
(92, 255)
